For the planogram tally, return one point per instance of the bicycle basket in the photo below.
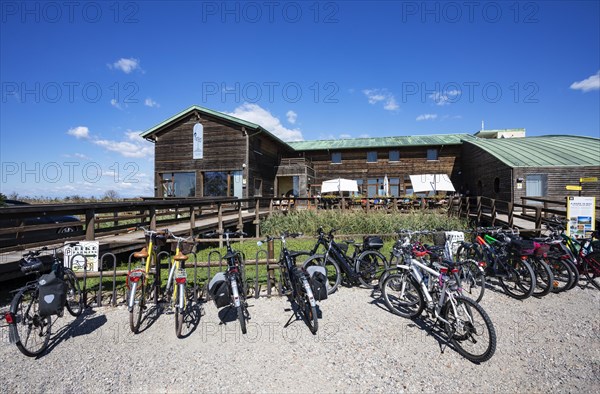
(184, 247)
(159, 240)
(372, 242)
(52, 296)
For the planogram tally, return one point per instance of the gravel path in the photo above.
(549, 344)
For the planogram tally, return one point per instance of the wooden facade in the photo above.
(485, 175)
(357, 165)
(241, 159)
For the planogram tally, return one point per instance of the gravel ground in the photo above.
(544, 345)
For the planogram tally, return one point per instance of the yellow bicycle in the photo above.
(176, 291)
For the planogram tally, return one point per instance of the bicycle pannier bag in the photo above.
(52, 291)
(524, 247)
(318, 282)
(372, 242)
(219, 290)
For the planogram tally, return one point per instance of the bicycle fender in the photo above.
(131, 297)
(236, 294)
(309, 293)
(12, 334)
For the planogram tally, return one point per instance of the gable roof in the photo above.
(216, 114)
(543, 151)
(382, 142)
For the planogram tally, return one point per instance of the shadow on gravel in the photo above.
(83, 324)
(150, 317)
(191, 319)
(297, 315)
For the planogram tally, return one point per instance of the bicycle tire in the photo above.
(370, 265)
(472, 279)
(463, 334)
(562, 272)
(30, 331)
(139, 300)
(574, 273)
(468, 252)
(307, 310)
(521, 274)
(334, 276)
(544, 278)
(179, 311)
(242, 318)
(74, 302)
(402, 295)
(591, 268)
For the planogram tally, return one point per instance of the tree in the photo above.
(111, 195)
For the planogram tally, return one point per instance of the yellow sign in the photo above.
(590, 179)
(573, 187)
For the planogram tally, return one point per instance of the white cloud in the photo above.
(79, 132)
(364, 136)
(115, 104)
(151, 103)
(291, 116)
(81, 156)
(375, 96)
(256, 114)
(126, 65)
(445, 98)
(426, 117)
(588, 84)
(345, 136)
(132, 147)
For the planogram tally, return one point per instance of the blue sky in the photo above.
(80, 80)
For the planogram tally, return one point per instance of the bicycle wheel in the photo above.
(574, 273)
(591, 268)
(562, 273)
(137, 303)
(544, 279)
(370, 264)
(306, 304)
(468, 252)
(402, 295)
(520, 280)
(30, 331)
(334, 276)
(470, 329)
(472, 279)
(74, 296)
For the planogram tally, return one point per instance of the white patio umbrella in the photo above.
(339, 185)
(386, 186)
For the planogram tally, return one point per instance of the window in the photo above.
(394, 155)
(336, 157)
(372, 157)
(359, 183)
(408, 189)
(394, 187)
(432, 154)
(535, 185)
(371, 187)
(223, 184)
(178, 184)
(497, 185)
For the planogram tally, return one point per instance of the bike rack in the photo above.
(256, 285)
(84, 290)
(208, 273)
(157, 281)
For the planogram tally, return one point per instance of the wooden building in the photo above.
(508, 169)
(204, 153)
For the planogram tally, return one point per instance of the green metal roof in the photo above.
(544, 151)
(382, 142)
(198, 108)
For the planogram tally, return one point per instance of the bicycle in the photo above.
(470, 275)
(407, 294)
(579, 253)
(364, 267)
(295, 282)
(503, 261)
(139, 288)
(176, 291)
(30, 327)
(229, 288)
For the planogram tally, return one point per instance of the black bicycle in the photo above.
(295, 282)
(364, 267)
(229, 288)
(31, 310)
